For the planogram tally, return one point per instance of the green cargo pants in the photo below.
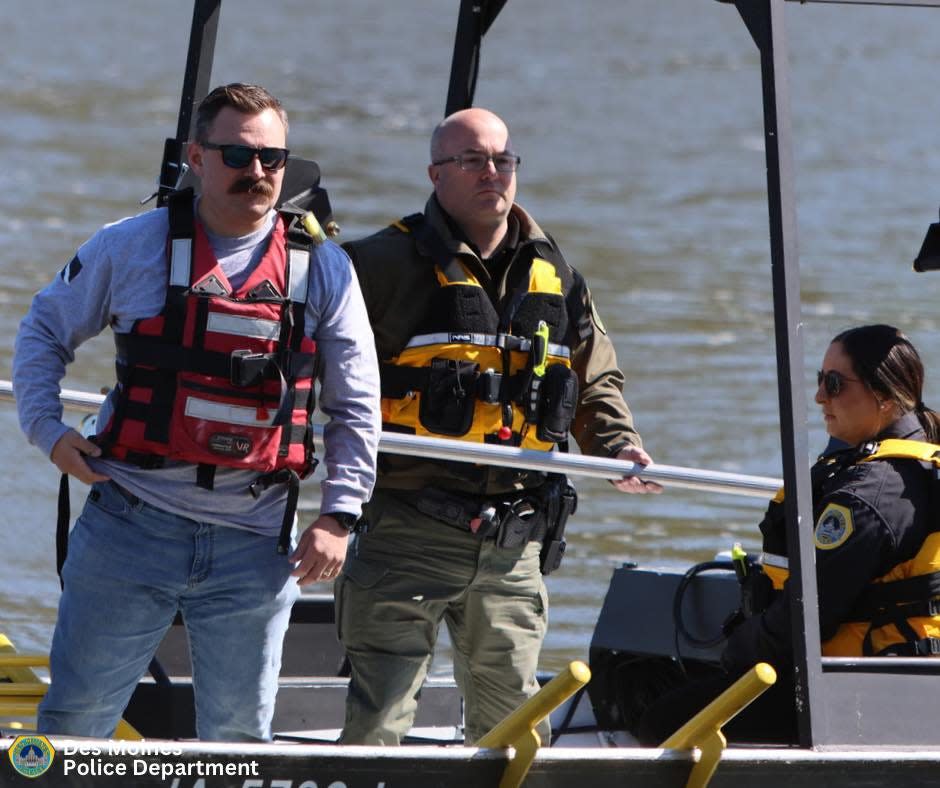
(402, 577)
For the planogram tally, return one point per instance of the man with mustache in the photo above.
(484, 333)
(224, 311)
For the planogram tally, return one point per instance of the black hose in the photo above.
(680, 629)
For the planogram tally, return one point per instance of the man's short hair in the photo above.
(249, 99)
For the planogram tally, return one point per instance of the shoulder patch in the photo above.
(71, 270)
(833, 527)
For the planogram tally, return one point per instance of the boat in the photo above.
(858, 722)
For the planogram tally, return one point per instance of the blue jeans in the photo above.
(130, 568)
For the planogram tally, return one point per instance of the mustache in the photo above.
(252, 187)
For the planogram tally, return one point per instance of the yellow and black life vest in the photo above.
(899, 612)
(482, 373)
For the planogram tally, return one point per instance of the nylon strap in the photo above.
(62, 527)
(904, 449)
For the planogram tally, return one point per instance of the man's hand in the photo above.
(69, 454)
(320, 552)
(634, 484)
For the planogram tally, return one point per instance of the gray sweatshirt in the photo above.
(119, 276)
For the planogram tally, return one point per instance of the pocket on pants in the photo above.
(105, 496)
(363, 574)
(355, 573)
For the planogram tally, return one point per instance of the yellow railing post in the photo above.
(21, 688)
(518, 729)
(703, 731)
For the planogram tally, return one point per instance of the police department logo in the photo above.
(833, 527)
(31, 755)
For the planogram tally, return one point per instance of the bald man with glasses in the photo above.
(484, 333)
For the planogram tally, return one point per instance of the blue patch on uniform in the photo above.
(72, 270)
(833, 527)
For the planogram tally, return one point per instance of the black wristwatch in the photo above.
(345, 519)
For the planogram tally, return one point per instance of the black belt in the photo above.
(511, 519)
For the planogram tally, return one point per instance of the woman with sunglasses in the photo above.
(877, 540)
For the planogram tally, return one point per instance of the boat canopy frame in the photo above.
(474, 19)
(840, 702)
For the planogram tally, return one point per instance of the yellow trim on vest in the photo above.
(778, 576)
(542, 277)
(906, 449)
(487, 417)
(778, 498)
(926, 561)
(401, 226)
(850, 636)
(443, 281)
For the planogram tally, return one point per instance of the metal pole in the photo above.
(550, 462)
(473, 20)
(199, 59)
(465, 62)
(765, 21)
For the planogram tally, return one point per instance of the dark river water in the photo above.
(640, 127)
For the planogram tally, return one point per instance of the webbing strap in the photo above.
(138, 351)
(491, 387)
(62, 527)
(922, 647)
(180, 254)
(292, 480)
(904, 449)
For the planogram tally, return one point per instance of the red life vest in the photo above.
(220, 376)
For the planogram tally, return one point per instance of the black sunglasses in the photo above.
(833, 381)
(240, 156)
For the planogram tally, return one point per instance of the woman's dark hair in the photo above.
(248, 99)
(886, 361)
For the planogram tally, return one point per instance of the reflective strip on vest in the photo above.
(235, 325)
(181, 261)
(298, 274)
(228, 414)
(484, 340)
(778, 561)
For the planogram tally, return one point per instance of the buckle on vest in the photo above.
(247, 368)
(927, 647)
(488, 386)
